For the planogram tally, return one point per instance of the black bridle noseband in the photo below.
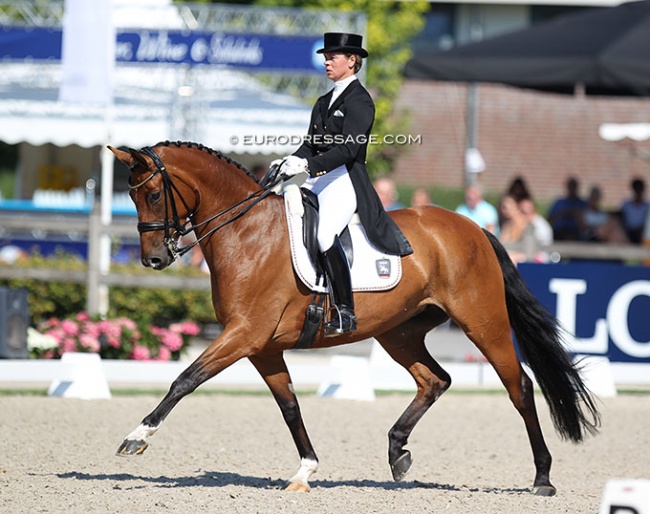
(174, 229)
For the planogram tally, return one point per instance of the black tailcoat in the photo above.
(339, 135)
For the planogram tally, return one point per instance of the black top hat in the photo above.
(341, 42)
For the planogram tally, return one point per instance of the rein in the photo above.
(181, 229)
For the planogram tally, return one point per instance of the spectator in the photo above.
(635, 211)
(514, 226)
(597, 224)
(515, 221)
(420, 198)
(480, 211)
(518, 189)
(542, 228)
(566, 212)
(387, 193)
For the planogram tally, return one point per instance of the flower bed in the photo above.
(120, 338)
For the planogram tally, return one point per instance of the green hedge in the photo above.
(146, 305)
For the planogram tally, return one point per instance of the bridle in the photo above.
(174, 228)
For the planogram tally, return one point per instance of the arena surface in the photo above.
(232, 454)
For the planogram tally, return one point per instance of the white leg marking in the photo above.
(142, 433)
(307, 468)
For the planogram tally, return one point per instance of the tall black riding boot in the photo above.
(338, 274)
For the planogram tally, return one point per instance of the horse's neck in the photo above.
(250, 236)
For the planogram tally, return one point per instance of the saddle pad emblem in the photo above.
(383, 268)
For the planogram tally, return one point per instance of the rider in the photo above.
(334, 155)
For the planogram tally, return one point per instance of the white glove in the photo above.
(293, 166)
(275, 162)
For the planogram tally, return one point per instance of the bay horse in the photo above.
(457, 271)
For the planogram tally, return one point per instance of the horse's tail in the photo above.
(540, 341)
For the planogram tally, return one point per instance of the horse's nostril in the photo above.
(152, 262)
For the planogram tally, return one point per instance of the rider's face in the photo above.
(339, 66)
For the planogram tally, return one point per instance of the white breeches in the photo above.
(337, 203)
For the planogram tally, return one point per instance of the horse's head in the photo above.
(163, 211)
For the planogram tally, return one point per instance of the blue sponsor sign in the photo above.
(606, 306)
(177, 47)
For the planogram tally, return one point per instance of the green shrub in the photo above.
(143, 305)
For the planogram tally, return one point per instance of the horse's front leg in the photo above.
(223, 352)
(276, 375)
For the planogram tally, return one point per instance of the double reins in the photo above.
(175, 229)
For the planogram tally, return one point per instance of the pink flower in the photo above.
(126, 323)
(68, 344)
(168, 338)
(69, 327)
(164, 354)
(185, 327)
(141, 353)
(82, 316)
(92, 329)
(53, 322)
(89, 342)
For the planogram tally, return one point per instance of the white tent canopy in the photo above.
(217, 107)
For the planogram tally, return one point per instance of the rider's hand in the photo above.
(275, 163)
(293, 165)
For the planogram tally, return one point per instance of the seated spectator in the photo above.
(515, 221)
(635, 211)
(597, 224)
(387, 193)
(565, 213)
(542, 228)
(420, 198)
(518, 189)
(480, 211)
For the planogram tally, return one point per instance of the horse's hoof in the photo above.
(401, 466)
(300, 487)
(131, 447)
(544, 490)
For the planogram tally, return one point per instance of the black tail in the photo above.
(540, 341)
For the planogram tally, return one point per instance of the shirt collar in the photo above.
(342, 84)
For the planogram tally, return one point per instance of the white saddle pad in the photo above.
(371, 269)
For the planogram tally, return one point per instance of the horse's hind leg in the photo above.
(494, 341)
(276, 375)
(405, 344)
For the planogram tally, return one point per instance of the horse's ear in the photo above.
(122, 156)
(138, 157)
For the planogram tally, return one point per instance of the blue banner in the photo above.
(263, 52)
(606, 306)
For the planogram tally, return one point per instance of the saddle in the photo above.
(372, 270)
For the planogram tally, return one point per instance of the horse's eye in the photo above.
(154, 197)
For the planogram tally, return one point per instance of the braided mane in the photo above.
(203, 148)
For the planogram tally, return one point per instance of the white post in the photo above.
(106, 209)
(88, 61)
